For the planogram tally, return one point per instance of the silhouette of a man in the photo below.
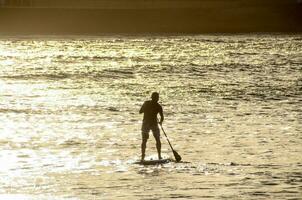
(150, 110)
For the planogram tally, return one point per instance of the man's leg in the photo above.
(144, 144)
(145, 136)
(156, 135)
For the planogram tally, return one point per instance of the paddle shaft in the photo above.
(166, 136)
(176, 155)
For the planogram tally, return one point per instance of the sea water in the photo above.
(70, 127)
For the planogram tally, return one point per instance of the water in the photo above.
(70, 127)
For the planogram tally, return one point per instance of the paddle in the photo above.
(176, 155)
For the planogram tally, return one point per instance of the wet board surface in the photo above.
(153, 162)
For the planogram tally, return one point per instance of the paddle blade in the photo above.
(177, 156)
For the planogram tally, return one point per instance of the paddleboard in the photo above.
(153, 162)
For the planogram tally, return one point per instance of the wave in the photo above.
(37, 76)
(107, 73)
(24, 111)
(66, 58)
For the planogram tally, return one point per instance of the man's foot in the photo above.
(159, 158)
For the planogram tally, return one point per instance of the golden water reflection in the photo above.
(70, 128)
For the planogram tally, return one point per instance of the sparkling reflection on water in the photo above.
(70, 127)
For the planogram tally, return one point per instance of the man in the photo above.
(150, 110)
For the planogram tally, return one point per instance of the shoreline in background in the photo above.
(141, 4)
(140, 35)
(224, 18)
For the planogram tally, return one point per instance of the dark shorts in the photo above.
(146, 129)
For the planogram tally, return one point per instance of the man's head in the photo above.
(155, 96)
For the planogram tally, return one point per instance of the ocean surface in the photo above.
(70, 127)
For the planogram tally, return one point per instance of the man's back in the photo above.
(150, 110)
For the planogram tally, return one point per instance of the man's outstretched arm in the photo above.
(142, 109)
